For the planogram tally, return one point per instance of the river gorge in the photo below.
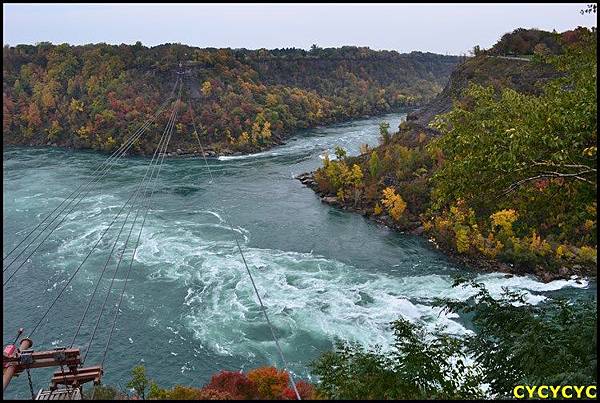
(189, 307)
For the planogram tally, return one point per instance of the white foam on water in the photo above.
(309, 298)
(246, 156)
(304, 294)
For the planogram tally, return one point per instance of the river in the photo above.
(189, 309)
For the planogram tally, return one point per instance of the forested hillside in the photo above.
(92, 96)
(500, 169)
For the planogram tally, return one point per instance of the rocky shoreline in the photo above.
(209, 151)
(576, 272)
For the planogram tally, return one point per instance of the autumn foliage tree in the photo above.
(254, 98)
(393, 203)
(264, 383)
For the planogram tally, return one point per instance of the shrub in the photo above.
(417, 367)
(180, 392)
(516, 343)
(269, 382)
(305, 390)
(235, 383)
(504, 219)
(139, 381)
(393, 202)
(213, 394)
(587, 254)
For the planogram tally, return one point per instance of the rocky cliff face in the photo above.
(519, 74)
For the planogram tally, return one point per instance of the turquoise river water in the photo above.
(189, 309)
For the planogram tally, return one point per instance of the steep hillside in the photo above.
(92, 96)
(515, 62)
(523, 76)
(499, 169)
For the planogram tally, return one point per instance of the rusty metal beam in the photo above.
(26, 359)
(77, 377)
(9, 370)
(70, 353)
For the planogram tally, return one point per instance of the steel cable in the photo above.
(262, 306)
(157, 152)
(149, 198)
(129, 141)
(93, 180)
(79, 267)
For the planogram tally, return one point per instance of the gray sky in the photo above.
(439, 28)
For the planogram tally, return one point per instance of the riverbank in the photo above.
(215, 150)
(313, 265)
(575, 272)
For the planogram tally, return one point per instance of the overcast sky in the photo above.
(439, 28)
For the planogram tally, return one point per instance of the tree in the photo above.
(33, 116)
(496, 145)
(517, 343)
(393, 202)
(235, 383)
(384, 132)
(53, 131)
(269, 382)
(206, 88)
(139, 381)
(294, 93)
(417, 367)
(340, 153)
(156, 392)
(265, 132)
(374, 165)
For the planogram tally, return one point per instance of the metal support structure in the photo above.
(77, 377)
(8, 368)
(15, 361)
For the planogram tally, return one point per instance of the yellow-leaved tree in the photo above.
(265, 133)
(206, 88)
(393, 203)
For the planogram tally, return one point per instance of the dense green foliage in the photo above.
(529, 158)
(419, 366)
(509, 173)
(515, 343)
(523, 41)
(93, 96)
(389, 180)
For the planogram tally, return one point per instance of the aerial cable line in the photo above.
(70, 200)
(120, 259)
(111, 160)
(81, 265)
(93, 180)
(153, 165)
(148, 199)
(123, 251)
(78, 268)
(135, 249)
(157, 152)
(262, 306)
(130, 140)
(49, 233)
